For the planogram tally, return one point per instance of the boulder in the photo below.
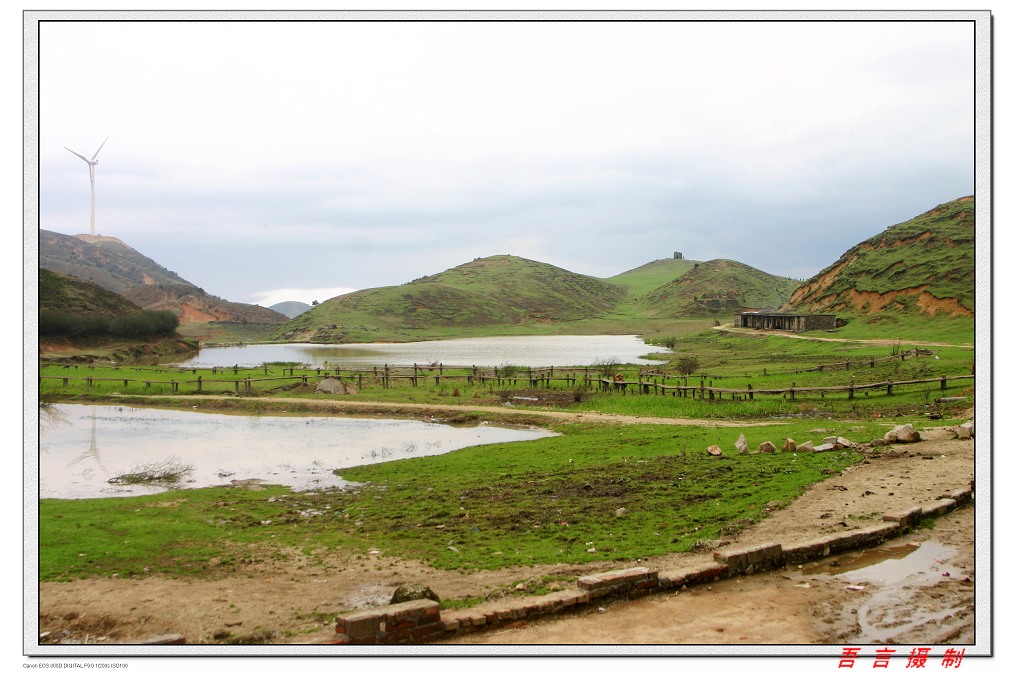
(789, 446)
(741, 445)
(902, 434)
(824, 448)
(714, 450)
(962, 432)
(806, 446)
(335, 386)
(767, 447)
(413, 591)
(970, 427)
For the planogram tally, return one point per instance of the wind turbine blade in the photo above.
(78, 154)
(100, 148)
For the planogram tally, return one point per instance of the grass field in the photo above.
(597, 492)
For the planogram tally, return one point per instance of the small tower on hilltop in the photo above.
(677, 255)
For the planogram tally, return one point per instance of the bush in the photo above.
(687, 365)
(138, 325)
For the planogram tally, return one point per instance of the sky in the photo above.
(271, 161)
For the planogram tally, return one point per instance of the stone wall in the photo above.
(415, 622)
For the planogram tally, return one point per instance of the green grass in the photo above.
(547, 501)
(554, 500)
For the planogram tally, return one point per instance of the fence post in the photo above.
(749, 389)
(199, 382)
(943, 382)
(792, 391)
(852, 388)
(890, 388)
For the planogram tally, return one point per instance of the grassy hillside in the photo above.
(499, 291)
(718, 287)
(923, 266)
(651, 276)
(63, 293)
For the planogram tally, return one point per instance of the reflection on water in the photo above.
(534, 351)
(82, 447)
(889, 576)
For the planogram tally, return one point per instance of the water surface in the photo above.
(534, 351)
(82, 447)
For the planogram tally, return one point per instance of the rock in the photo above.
(846, 443)
(707, 545)
(879, 442)
(789, 446)
(164, 639)
(413, 591)
(621, 511)
(970, 426)
(767, 447)
(335, 386)
(962, 432)
(714, 450)
(741, 445)
(806, 446)
(824, 448)
(902, 434)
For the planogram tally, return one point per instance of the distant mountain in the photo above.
(113, 265)
(291, 308)
(718, 287)
(925, 266)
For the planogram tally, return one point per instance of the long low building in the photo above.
(777, 321)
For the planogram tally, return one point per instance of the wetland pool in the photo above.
(82, 447)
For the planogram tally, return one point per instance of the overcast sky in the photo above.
(295, 161)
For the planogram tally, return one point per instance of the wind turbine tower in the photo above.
(91, 173)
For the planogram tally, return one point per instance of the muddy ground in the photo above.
(295, 602)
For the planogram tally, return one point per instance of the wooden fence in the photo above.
(544, 377)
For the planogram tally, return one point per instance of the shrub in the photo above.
(687, 365)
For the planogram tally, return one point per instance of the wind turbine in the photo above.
(91, 173)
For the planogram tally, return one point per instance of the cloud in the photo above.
(275, 296)
(361, 154)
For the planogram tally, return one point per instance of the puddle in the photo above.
(844, 563)
(891, 578)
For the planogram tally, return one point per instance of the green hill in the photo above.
(651, 276)
(72, 309)
(717, 287)
(499, 291)
(924, 266)
(64, 293)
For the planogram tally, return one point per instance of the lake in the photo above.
(82, 447)
(534, 351)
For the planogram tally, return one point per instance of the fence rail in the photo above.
(534, 378)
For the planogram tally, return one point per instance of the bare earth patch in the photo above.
(294, 601)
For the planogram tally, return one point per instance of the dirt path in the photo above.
(293, 601)
(353, 407)
(729, 328)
